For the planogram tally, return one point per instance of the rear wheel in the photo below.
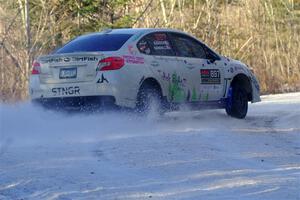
(237, 105)
(149, 100)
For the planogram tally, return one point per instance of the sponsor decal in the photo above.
(210, 76)
(167, 77)
(134, 59)
(167, 59)
(188, 95)
(59, 91)
(160, 42)
(206, 97)
(203, 95)
(70, 59)
(194, 94)
(80, 59)
(161, 45)
(144, 47)
(132, 50)
(176, 88)
(160, 36)
(102, 79)
(192, 97)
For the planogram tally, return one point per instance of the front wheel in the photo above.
(237, 105)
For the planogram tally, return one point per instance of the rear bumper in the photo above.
(71, 90)
(93, 102)
(38, 90)
(107, 84)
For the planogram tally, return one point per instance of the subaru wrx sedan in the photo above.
(133, 68)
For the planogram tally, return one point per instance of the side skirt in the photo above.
(220, 104)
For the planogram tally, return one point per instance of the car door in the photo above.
(203, 70)
(160, 56)
(212, 76)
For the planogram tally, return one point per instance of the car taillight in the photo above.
(110, 63)
(36, 68)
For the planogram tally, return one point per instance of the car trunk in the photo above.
(68, 68)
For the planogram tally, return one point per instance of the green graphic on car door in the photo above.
(176, 89)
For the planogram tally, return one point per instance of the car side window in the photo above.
(156, 43)
(144, 46)
(188, 47)
(210, 54)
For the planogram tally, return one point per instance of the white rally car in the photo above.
(133, 67)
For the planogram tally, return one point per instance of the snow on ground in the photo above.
(182, 155)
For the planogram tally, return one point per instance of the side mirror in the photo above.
(212, 60)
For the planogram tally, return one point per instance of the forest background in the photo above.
(265, 34)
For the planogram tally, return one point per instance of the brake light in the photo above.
(36, 68)
(110, 63)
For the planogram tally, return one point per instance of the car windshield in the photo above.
(95, 42)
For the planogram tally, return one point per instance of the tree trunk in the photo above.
(28, 43)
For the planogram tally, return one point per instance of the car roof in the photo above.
(136, 30)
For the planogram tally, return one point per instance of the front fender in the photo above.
(255, 89)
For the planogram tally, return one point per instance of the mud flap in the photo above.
(229, 99)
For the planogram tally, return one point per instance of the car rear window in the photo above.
(95, 42)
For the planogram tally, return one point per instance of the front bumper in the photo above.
(255, 89)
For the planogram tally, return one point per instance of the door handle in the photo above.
(190, 67)
(154, 63)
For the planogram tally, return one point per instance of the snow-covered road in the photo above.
(183, 155)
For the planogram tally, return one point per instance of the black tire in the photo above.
(149, 99)
(238, 107)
